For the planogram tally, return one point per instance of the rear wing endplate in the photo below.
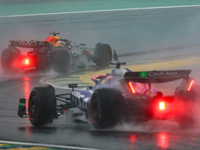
(157, 76)
(30, 44)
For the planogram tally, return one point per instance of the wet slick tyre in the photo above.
(42, 106)
(106, 108)
(187, 102)
(6, 58)
(102, 55)
(59, 60)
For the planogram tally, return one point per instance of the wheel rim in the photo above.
(95, 113)
(32, 107)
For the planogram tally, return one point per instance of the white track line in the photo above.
(46, 145)
(93, 11)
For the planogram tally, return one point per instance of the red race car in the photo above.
(53, 53)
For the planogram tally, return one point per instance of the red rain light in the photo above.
(163, 140)
(26, 61)
(132, 88)
(190, 85)
(162, 105)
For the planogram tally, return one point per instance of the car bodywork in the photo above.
(121, 95)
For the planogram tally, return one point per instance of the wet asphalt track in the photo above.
(145, 33)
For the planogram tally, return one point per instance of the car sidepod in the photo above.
(81, 99)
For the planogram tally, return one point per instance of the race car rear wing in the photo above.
(157, 76)
(30, 44)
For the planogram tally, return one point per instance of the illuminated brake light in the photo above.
(132, 88)
(26, 61)
(162, 105)
(190, 85)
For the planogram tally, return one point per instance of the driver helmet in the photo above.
(53, 39)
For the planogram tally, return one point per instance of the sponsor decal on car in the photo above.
(157, 74)
(80, 99)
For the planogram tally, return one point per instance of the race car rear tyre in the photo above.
(186, 119)
(59, 60)
(7, 60)
(106, 108)
(102, 55)
(42, 106)
(6, 57)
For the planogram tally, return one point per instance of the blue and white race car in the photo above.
(121, 95)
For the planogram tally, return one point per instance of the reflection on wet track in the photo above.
(163, 140)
